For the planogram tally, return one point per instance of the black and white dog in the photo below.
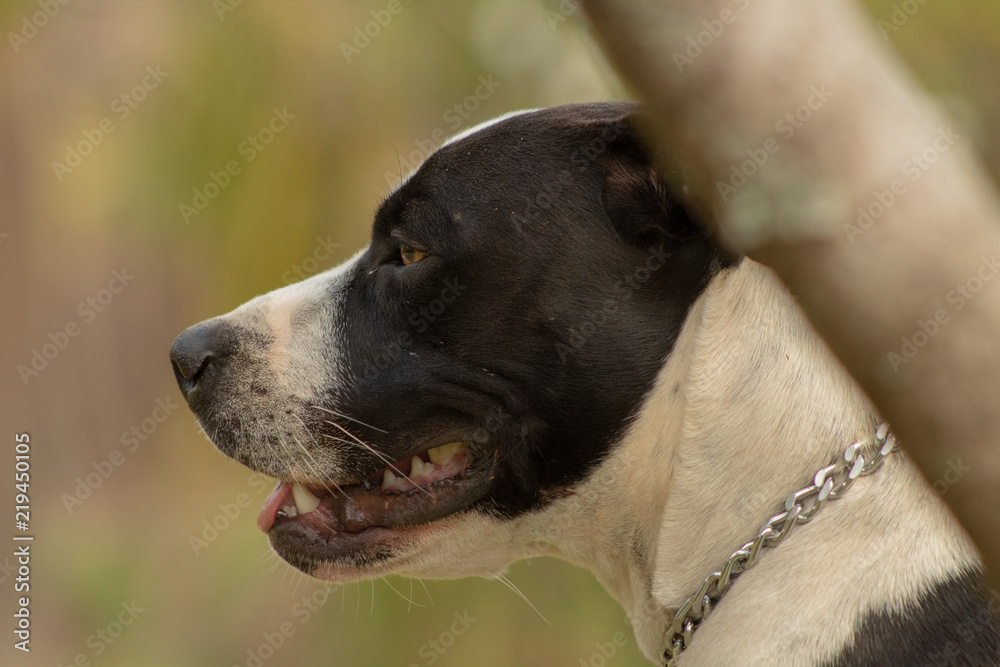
(541, 352)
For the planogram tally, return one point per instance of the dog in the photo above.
(541, 351)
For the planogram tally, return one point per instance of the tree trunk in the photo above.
(813, 151)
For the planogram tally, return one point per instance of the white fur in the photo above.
(300, 364)
(298, 317)
(762, 405)
(468, 132)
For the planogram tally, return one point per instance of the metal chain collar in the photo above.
(829, 483)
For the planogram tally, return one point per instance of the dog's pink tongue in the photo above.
(274, 501)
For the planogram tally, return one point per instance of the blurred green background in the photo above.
(116, 115)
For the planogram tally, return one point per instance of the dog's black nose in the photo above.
(195, 350)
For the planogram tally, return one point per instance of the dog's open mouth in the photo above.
(320, 523)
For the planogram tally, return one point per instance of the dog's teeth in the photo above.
(388, 479)
(305, 501)
(418, 467)
(441, 455)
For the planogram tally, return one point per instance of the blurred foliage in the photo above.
(356, 125)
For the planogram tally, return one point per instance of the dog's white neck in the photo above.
(748, 406)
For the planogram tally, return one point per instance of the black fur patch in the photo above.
(954, 624)
(561, 270)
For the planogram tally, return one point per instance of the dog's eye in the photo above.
(410, 254)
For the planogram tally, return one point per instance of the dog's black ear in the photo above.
(640, 205)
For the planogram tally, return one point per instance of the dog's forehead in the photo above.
(504, 164)
(510, 136)
(553, 126)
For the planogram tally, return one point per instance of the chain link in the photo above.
(829, 483)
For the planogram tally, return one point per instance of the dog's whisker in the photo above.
(513, 450)
(314, 467)
(335, 438)
(329, 587)
(343, 416)
(426, 590)
(357, 609)
(306, 429)
(409, 600)
(502, 578)
(275, 565)
(312, 463)
(399, 163)
(384, 458)
(288, 451)
(354, 440)
(267, 557)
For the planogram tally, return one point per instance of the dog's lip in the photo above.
(409, 500)
(357, 525)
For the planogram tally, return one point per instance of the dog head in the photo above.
(479, 360)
